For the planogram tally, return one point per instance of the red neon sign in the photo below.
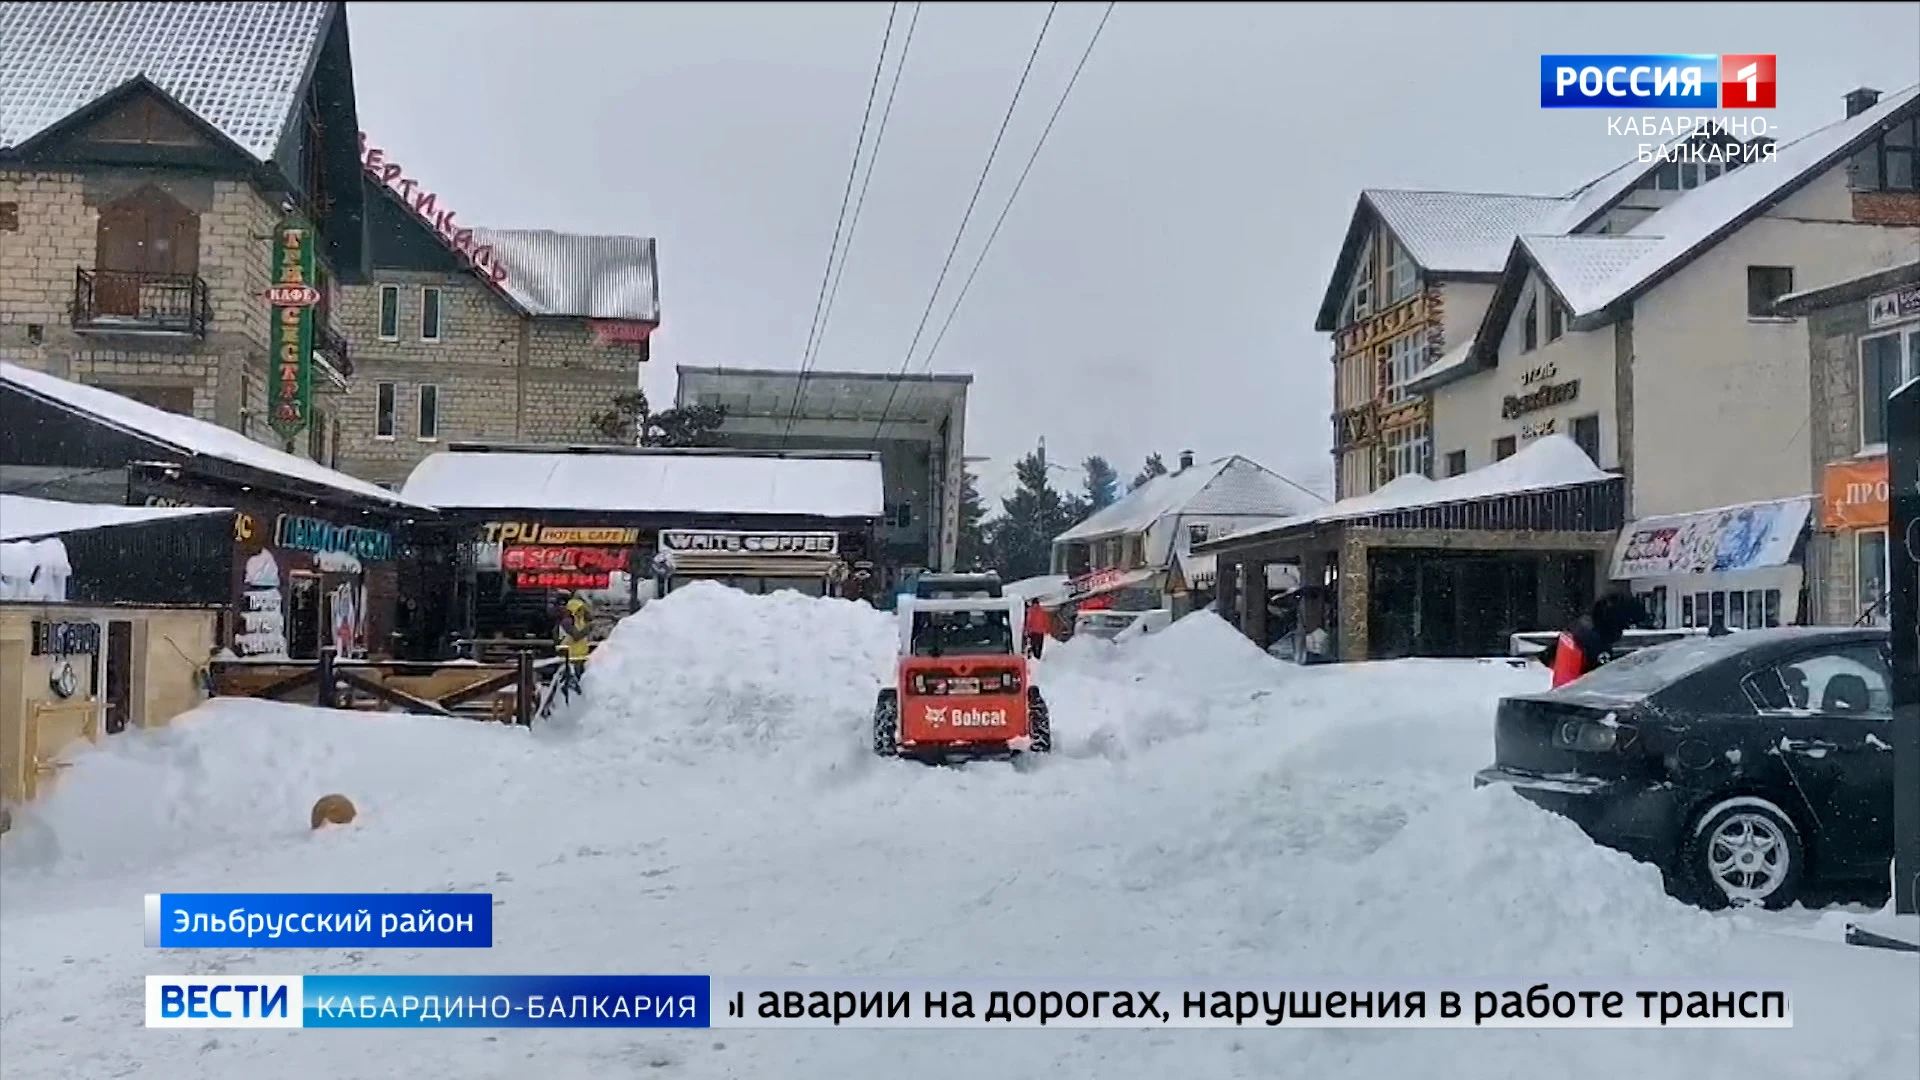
(425, 206)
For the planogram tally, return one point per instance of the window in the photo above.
(1197, 533)
(1654, 603)
(383, 411)
(1890, 163)
(1402, 280)
(1667, 176)
(1530, 332)
(1870, 576)
(1689, 175)
(317, 437)
(1586, 433)
(1503, 447)
(333, 445)
(899, 515)
(429, 412)
(389, 313)
(1405, 450)
(1849, 680)
(429, 313)
(1406, 357)
(1136, 547)
(1881, 373)
(1556, 320)
(1753, 609)
(1456, 462)
(1359, 303)
(1765, 284)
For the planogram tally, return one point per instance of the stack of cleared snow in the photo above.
(710, 668)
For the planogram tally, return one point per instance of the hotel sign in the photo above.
(290, 331)
(538, 533)
(1546, 396)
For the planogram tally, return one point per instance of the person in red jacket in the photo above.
(1581, 646)
(1036, 626)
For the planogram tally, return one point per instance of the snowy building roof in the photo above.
(1548, 463)
(594, 277)
(1669, 238)
(24, 518)
(182, 434)
(238, 66)
(1582, 268)
(645, 482)
(1460, 232)
(1231, 486)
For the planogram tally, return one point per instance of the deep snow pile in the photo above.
(711, 670)
(1210, 811)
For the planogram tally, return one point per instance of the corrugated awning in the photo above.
(1751, 536)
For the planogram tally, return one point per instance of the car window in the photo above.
(1853, 681)
(962, 633)
(1644, 671)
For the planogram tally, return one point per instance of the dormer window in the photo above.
(1530, 330)
(1359, 303)
(1402, 279)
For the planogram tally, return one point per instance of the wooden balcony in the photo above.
(131, 302)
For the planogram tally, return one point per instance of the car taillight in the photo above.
(1591, 737)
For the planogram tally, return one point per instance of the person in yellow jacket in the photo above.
(573, 626)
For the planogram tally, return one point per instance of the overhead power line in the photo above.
(846, 199)
(967, 285)
(1019, 88)
(866, 180)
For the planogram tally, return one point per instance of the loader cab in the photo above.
(962, 687)
(958, 587)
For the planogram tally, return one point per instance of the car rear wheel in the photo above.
(886, 724)
(1746, 851)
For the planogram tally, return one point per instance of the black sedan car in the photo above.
(1748, 767)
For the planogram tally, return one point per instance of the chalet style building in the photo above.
(191, 217)
(162, 167)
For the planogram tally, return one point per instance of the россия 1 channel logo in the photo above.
(1727, 81)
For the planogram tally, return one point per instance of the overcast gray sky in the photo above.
(1155, 285)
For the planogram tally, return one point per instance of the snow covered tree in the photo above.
(632, 421)
(1021, 538)
(971, 549)
(1154, 467)
(1102, 483)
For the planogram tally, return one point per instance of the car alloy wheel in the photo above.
(1747, 851)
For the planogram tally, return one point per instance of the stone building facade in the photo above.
(138, 226)
(1864, 342)
(496, 336)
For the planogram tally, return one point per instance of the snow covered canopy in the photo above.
(1231, 486)
(24, 518)
(182, 436)
(635, 481)
(1551, 463)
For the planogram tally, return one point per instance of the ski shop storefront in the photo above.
(1448, 567)
(521, 525)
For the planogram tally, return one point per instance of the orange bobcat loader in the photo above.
(962, 686)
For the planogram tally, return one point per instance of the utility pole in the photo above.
(1903, 557)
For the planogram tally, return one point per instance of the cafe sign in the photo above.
(290, 334)
(563, 567)
(539, 533)
(716, 542)
(311, 534)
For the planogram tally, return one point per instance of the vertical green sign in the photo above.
(290, 339)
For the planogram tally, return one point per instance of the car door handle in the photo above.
(1808, 744)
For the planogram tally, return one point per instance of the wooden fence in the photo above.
(513, 692)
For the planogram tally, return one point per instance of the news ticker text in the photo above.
(700, 1001)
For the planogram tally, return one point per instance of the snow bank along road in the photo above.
(715, 810)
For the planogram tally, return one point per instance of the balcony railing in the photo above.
(135, 302)
(332, 346)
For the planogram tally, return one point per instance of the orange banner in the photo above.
(1854, 494)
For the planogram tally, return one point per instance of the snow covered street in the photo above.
(1208, 811)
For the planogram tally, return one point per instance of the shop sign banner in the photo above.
(712, 542)
(593, 560)
(1545, 397)
(290, 330)
(311, 534)
(1854, 495)
(1897, 306)
(540, 534)
(1715, 542)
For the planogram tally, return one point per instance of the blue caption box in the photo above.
(319, 920)
(505, 1001)
(1576, 81)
